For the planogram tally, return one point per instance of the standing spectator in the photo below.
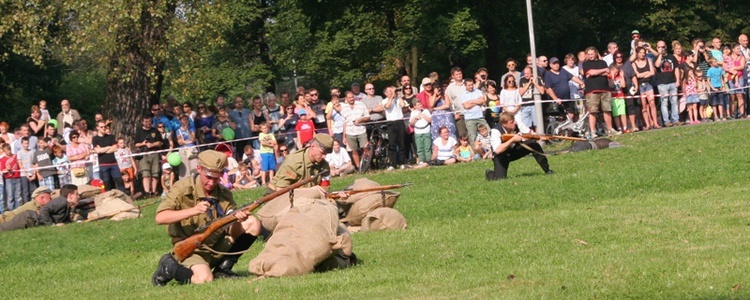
(335, 117)
(667, 83)
(36, 125)
(62, 165)
(691, 96)
(339, 160)
(55, 139)
(597, 90)
(318, 107)
(187, 109)
(393, 105)
(45, 170)
(409, 97)
(611, 49)
(716, 51)
(105, 146)
(635, 35)
(303, 103)
(492, 100)
(631, 102)
(644, 70)
(187, 152)
(221, 104)
(305, 129)
(6, 136)
(572, 68)
(473, 101)
(288, 125)
(267, 152)
(273, 110)
(85, 136)
(28, 176)
(241, 117)
(736, 65)
(525, 116)
(167, 137)
(426, 93)
(557, 81)
(24, 132)
(204, 122)
(374, 103)
(716, 79)
(358, 95)
(703, 94)
(12, 176)
(257, 117)
(405, 82)
(420, 119)
(220, 124)
(78, 154)
(159, 117)
(285, 101)
(511, 65)
(148, 139)
(355, 134)
(452, 95)
(442, 116)
(67, 115)
(125, 160)
(618, 101)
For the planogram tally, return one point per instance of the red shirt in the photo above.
(306, 130)
(14, 166)
(424, 97)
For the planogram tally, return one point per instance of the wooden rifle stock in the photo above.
(183, 249)
(533, 136)
(335, 195)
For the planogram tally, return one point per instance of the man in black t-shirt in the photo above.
(597, 90)
(667, 83)
(148, 139)
(105, 146)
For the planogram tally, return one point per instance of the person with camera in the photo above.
(667, 84)
(148, 139)
(393, 105)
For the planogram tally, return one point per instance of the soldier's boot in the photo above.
(224, 269)
(169, 269)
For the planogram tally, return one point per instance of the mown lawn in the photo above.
(665, 217)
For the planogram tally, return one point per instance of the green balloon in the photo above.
(174, 159)
(227, 134)
(53, 122)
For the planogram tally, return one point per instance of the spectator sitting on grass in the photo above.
(442, 148)
(482, 146)
(339, 160)
(464, 152)
(167, 179)
(244, 179)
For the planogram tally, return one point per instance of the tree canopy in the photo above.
(142, 50)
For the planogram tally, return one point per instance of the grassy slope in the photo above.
(664, 217)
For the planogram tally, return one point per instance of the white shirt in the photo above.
(338, 159)
(509, 99)
(256, 157)
(351, 114)
(454, 91)
(445, 152)
(394, 112)
(421, 126)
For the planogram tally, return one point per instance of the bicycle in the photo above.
(375, 154)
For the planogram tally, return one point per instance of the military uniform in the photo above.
(29, 206)
(26, 216)
(186, 193)
(298, 166)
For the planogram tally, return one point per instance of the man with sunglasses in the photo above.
(159, 117)
(306, 162)
(557, 85)
(511, 65)
(193, 202)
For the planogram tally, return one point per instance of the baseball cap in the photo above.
(554, 60)
(355, 84)
(302, 112)
(635, 32)
(426, 80)
(166, 166)
(40, 190)
(213, 162)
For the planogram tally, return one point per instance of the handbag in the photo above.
(78, 172)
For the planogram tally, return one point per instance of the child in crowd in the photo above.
(421, 119)
(267, 153)
(62, 164)
(67, 128)
(43, 110)
(10, 168)
(225, 180)
(618, 99)
(244, 179)
(42, 160)
(127, 181)
(464, 152)
(703, 94)
(305, 129)
(716, 80)
(482, 146)
(167, 179)
(125, 161)
(690, 87)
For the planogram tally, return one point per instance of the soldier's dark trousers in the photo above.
(515, 152)
(23, 220)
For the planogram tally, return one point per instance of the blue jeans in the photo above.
(12, 193)
(671, 91)
(111, 177)
(2, 196)
(27, 187)
(526, 116)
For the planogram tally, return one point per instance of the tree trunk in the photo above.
(136, 66)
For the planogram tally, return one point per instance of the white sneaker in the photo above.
(389, 169)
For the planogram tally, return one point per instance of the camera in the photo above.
(484, 76)
(646, 45)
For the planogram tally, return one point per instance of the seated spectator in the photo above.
(127, 181)
(339, 160)
(167, 179)
(252, 159)
(442, 148)
(464, 152)
(244, 179)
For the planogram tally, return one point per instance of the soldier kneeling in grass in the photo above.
(512, 149)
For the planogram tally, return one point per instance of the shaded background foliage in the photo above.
(248, 47)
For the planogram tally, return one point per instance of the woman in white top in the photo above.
(442, 147)
(572, 68)
(510, 99)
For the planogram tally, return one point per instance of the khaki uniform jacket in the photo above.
(186, 193)
(31, 205)
(297, 166)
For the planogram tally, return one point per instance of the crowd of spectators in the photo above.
(438, 122)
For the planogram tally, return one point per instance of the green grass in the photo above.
(665, 217)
